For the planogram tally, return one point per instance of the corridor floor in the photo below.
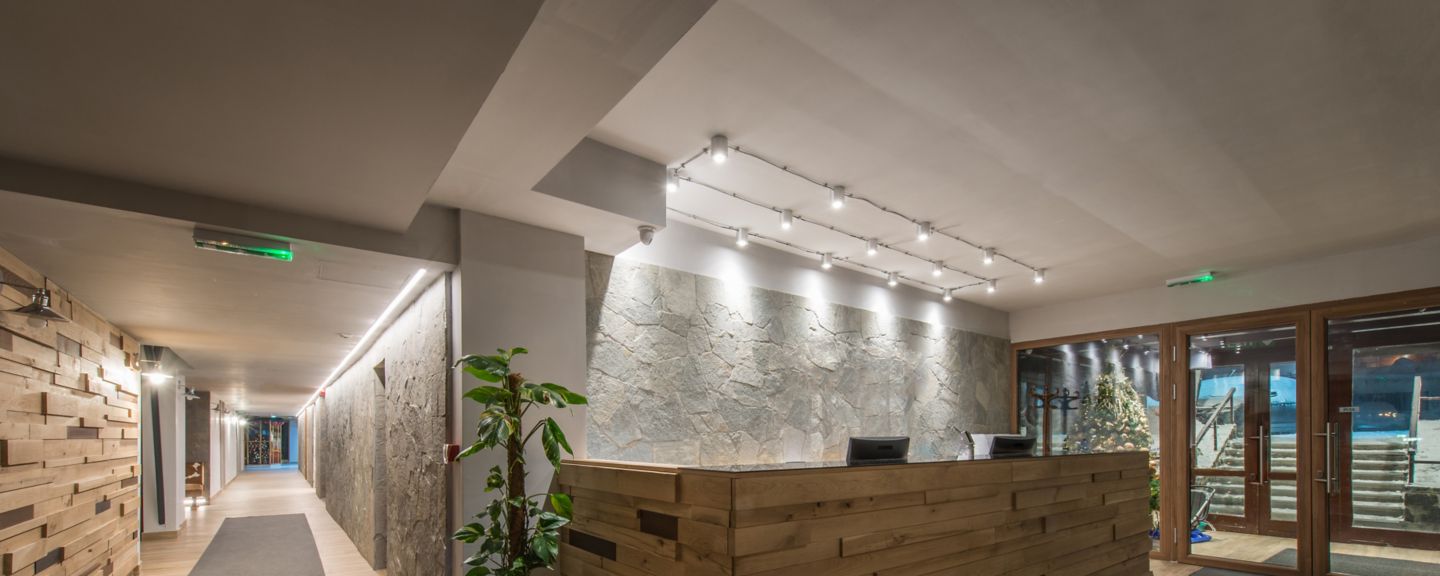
(255, 493)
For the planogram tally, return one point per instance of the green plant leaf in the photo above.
(491, 369)
(517, 351)
(564, 507)
(469, 450)
(565, 393)
(470, 533)
(558, 436)
(495, 480)
(479, 571)
(488, 395)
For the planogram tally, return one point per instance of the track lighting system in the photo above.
(672, 181)
(891, 278)
(719, 152)
(787, 219)
(937, 269)
(870, 243)
(742, 237)
(990, 286)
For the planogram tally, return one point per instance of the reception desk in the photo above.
(1051, 515)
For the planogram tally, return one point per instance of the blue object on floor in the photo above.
(1197, 537)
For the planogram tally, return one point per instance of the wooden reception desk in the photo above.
(1052, 515)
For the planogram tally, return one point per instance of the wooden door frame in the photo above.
(1179, 468)
(1320, 316)
(1174, 511)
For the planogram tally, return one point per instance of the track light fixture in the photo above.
(719, 148)
(937, 268)
(990, 285)
(837, 197)
(923, 231)
(742, 237)
(647, 234)
(872, 247)
(1039, 275)
(672, 181)
(948, 295)
(826, 261)
(989, 257)
(787, 219)
(892, 279)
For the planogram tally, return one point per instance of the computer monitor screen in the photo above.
(1012, 446)
(879, 450)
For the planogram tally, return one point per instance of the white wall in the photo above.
(1408, 266)
(170, 418)
(517, 285)
(705, 252)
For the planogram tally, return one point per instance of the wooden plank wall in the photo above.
(69, 430)
(1064, 516)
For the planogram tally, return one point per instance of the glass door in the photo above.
(1243, 436)
(1379, 469)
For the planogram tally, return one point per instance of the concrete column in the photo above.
(517, 285)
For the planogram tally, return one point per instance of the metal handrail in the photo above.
(1211, 422)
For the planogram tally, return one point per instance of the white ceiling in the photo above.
(1115, 143)
(261, 334)
(342, 110)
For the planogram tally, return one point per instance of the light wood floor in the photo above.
(257, 493)
(1257, 548)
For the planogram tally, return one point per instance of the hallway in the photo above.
(256, 493)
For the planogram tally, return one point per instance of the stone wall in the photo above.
(381, 428)
(688, 369)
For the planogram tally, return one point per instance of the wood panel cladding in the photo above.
(69, 437)
(1058, 516)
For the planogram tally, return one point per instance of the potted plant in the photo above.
(516, 533)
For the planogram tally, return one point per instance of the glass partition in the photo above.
(1100, 395)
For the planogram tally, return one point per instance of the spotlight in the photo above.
(990, 285)
(825, 261)
(892, 279)
(923, 231)
(872, 247)
(837, 197)
(787, 219)
(672, 181)
(937, 268)
(742, 237)
(948, 296)
(989, 257)
(647, 234)
(719, 148)
(1039, 275)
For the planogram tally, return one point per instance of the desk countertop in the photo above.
(780, 467)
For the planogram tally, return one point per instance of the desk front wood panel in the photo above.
(1063, 516)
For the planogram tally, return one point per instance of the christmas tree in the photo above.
(1112, 419)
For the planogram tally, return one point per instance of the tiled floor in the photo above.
(255, 493)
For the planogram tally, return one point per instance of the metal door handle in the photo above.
(1329, 435)
(1263, 476)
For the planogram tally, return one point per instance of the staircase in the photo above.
(1377, 473)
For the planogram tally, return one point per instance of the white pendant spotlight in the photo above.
(989, 257)
(787, 219)
(1039, 275)
(837, 197)
(826, 261)
(872, 247)
(742, 237)
(892, 279)
(719, 148)
(672, 181)
(923, 231)
(990, 285)
(948, 295)
(937, 268)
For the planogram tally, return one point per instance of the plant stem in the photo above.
(515, 480)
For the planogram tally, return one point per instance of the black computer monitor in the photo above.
(878, 450)
(1012, 447)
